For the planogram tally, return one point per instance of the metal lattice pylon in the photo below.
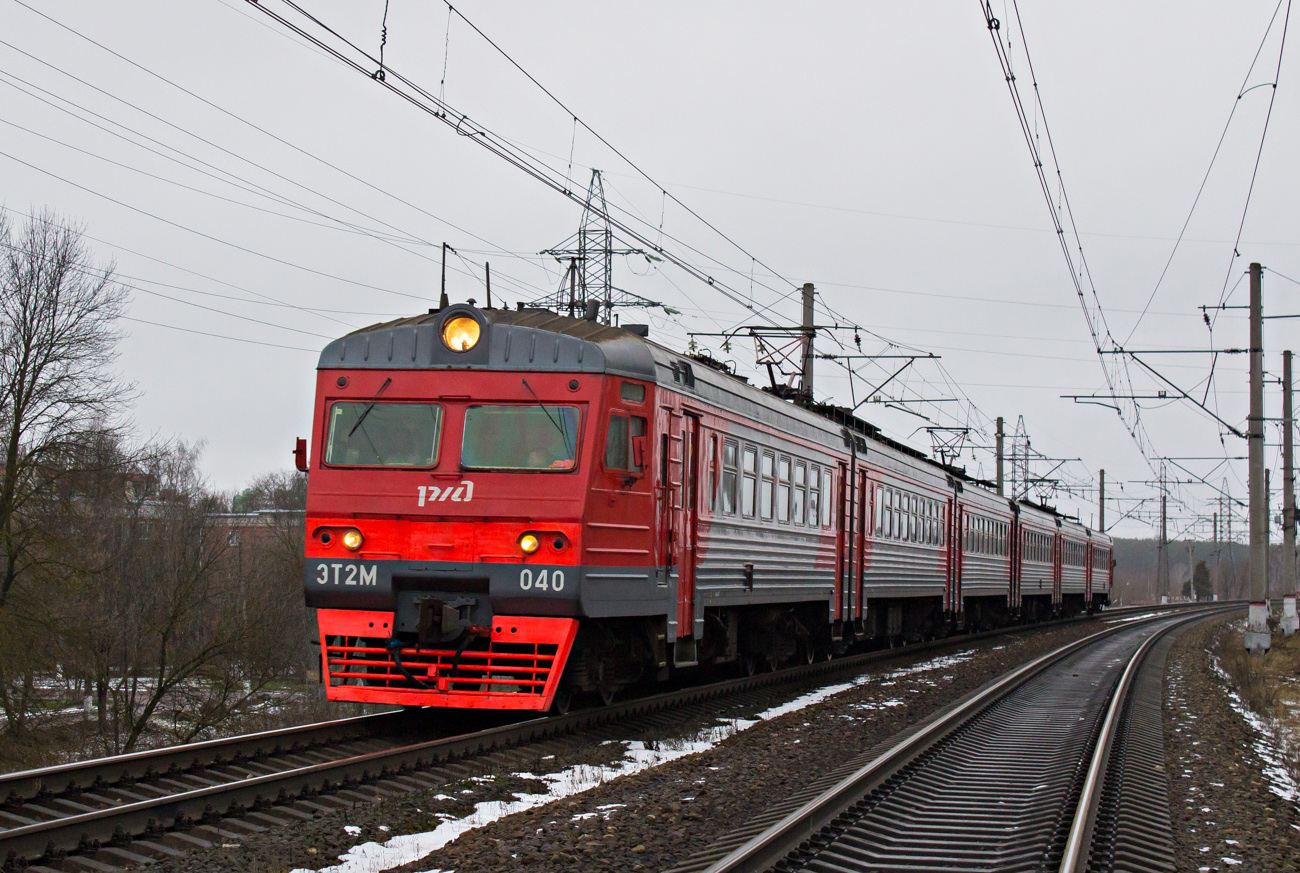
(1020, 461)
(590, 253)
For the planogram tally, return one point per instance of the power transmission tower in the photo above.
(1020, 461)
(590, 252)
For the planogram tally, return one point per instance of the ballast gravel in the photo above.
(656, 817)
(1224, 815)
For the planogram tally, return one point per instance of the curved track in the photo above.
(1056, 766)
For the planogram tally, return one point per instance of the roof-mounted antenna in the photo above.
(443, 303)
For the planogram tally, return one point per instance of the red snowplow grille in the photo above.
(517, 667)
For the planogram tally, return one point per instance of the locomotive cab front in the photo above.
(452, 457)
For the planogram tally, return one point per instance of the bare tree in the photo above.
(58, 340)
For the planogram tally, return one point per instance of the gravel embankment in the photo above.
(653, 818)
(1224, 815)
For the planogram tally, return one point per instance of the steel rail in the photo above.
(236, 796)
(28, 784)
(1079, 842)
(784, 836)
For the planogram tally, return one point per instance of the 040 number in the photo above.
(543, 580)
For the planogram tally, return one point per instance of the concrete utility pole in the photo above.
(1290, 621)
(1101, 502)
(999, 443)
(809, 334)
(1268, 540)
(1163, 568)
(1258, 637)
(1217, 584)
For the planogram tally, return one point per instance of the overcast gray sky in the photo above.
(870, 148)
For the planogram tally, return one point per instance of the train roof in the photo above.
(526, 339)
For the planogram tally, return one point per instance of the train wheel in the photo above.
(562, 701)
(807, 652)
(749, 664)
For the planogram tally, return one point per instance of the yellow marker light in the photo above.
(460, 334)
(352, 539)
(529, 544)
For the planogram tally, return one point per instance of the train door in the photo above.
(668, 488)
(686, 536)
(1058, 546)
(863, 519)
(1013, 556)
(1087, 576)
(843, 543)
(952, 595)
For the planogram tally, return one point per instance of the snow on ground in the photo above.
(637, 756)
(1268, 733)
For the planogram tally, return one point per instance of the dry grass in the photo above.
(1253, 676)
(1269, 686)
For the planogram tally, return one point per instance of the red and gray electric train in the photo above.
(509, 507)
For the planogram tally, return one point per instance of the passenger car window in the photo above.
(749, 481)
(814, 494)
(372, 434)
(767, 491)
(783, 489)
(826, 497)
(728, 501)
(800, 496)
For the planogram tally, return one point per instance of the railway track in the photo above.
(125, 810)
(1059, 766)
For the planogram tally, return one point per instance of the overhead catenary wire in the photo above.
(232, 178)
(1241, 92)
(1259, 153)
(245, 122)
(1118, 380)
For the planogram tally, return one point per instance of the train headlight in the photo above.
(460, 334)
(529, 543)
(352, 539)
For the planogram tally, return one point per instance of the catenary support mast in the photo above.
(1290, 621)
(1258, 636)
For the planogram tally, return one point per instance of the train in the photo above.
(515, 509)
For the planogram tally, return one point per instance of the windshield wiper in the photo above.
(371, 406)
(564, 432)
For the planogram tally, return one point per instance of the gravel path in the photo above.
(1224, 816)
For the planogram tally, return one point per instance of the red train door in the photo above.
(1058, 545)
(952, 598)
(1087, 576)
(1016, 545)
(843, 542)
(686, 534)
(860, 564)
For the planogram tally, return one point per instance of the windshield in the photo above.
(520, 437)
(366, 434)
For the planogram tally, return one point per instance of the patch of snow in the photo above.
(1269, 734)
(352, 830)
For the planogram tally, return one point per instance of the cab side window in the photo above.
(618, 442)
